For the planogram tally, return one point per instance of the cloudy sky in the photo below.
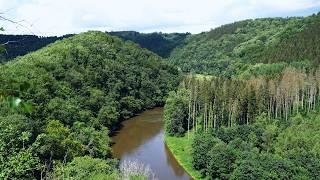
(58, 17)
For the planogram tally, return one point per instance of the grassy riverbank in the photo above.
(181, 149)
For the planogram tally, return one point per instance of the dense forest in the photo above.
(18, 45)
(245, 106)
(253, 113)
(234, 48)
(58, 105)
(159, 43)
(249, 129)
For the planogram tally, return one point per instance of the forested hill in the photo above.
(19, 45)
(79, 87)
(234, 48)
(159, 43)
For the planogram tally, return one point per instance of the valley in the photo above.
(240, 101)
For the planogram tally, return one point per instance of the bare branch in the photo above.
(17, 23)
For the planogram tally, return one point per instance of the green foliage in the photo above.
(201, 144)
(175, 113)
(87, 167)
(71, 93)
(20, 45)
(159, 43)
(17, 159)
(266, 166)
(220, 161)
(96, 143)
(19, 164)
(263, 150)
(301, 137)
(108, 115)
(57, 142)
(235, 48)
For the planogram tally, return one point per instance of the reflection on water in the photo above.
(142, 138)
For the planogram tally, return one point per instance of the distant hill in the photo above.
(237, 46)
(159, 43)
(19, 45)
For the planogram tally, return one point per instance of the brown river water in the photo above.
(141, 139)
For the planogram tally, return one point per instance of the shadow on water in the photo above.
(142, 138)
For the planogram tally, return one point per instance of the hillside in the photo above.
(79, 87)
(234, 48)
(159, 43)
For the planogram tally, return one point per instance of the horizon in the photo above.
(35, 17)
(4, 33)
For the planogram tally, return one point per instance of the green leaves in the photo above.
(175, 113)
(58, 143)
(87, 168)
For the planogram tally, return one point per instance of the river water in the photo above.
(141, 139)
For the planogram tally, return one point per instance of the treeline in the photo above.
(71, 94)
(19, 45)
(159, 43)
(233, 48)
(213, 102)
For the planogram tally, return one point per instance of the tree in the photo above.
(17, 159)
(176, 112)
(108, 115)
(220, 161)
(57, 142)
(201, 145)
(96, 143)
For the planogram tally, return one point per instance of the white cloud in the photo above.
(56, 17)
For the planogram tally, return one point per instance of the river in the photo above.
(141, 139)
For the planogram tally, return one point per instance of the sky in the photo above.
(59, 17)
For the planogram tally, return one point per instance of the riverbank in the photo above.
(141, 139)
(181, 149)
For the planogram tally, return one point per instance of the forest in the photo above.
(249, 129)
(241, 101)
(256, 114)
(159, 43)
(234, 48)
(59, 104)
(18, 45)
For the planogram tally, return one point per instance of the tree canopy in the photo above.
(80, 88)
